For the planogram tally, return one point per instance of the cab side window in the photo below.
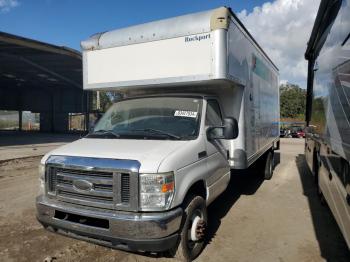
(213, 114)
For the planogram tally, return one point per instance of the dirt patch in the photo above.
(18, 164)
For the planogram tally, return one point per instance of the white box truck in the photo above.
(200, 97)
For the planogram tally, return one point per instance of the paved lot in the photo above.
(254, 220)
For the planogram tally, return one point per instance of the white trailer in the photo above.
(200, 97)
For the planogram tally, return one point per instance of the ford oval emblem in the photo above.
(82, 185)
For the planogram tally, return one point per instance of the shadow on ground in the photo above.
(243, 182)
(331, 242)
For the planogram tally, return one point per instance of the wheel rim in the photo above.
(196, 224)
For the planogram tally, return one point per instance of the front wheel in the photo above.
(193, 231)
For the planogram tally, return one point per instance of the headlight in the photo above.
(156, 191)
(41, 190)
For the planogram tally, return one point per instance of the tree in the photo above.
(292, 101)
(107, 98)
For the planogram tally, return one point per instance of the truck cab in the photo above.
(144, 158)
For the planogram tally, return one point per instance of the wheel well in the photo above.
(198, 189)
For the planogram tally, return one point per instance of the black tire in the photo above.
(268, 165)
(186, 249)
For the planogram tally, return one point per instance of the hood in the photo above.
(150, 153)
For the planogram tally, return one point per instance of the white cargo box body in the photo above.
(163, 61)
(181, 49)
(208, 52)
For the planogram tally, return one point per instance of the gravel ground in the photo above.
(254, 220)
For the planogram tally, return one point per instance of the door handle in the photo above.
(202, 154)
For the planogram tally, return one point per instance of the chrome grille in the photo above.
(51, 180)
(94, 182)
(125, 188)
(110, 190)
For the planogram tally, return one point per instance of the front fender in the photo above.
(187, 177)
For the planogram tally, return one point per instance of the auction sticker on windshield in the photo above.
(184, 113)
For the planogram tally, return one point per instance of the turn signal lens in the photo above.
(168, 187)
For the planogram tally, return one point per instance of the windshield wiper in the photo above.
(156, 131)
(105, 132)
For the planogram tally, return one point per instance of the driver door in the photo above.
(217, 164)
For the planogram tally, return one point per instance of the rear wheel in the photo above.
(268, 165)
(192, 234)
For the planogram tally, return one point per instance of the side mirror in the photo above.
(228, 131)
(230, 128)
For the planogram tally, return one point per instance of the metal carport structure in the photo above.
(42, 78)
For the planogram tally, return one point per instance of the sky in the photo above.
(281, 27)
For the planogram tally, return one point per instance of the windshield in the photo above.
(151, 118)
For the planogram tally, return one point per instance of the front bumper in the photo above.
(123, 230)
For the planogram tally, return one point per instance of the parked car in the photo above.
(283, 132)
(301, 133)
(297, 132)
